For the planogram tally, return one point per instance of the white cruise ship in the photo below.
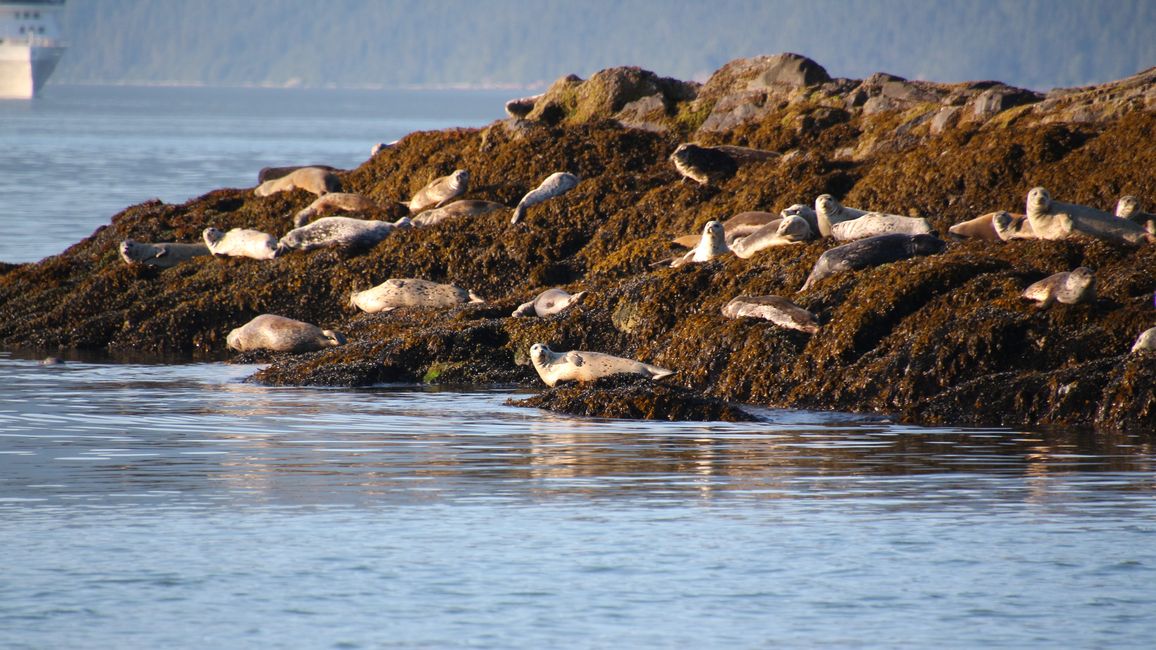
(30, 45)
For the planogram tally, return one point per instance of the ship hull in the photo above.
(24, 69)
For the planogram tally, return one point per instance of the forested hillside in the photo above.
(1038, 44)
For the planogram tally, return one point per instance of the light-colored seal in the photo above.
(791, 229)
(271, 173)
(440, 191)
(334, 202)
(456, 210)
(1069, 287)
(311, 179)
(340, 232)
(978, 228)
(550, 301)
(280, 334)
(711, 244)
(410, 292)
(828, 212)
(704, 165)
(581, 366)
(739, 225)
(1010, 226)
(1146, 342)
(241, 242)
(556, 184)
(780, 311)
(1128, 207)
(1057, 220)
(877, 223)
(806, 212)
(873, 251)
(163, 255)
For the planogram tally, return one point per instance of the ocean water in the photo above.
(177, 505)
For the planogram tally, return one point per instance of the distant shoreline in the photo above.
(536, 87)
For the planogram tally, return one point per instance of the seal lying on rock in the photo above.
(1146, 342)
(873, 251)
(440, 191)
(273, 173)
(455, 210)
(241, 242)
(877, 223)
(340, 232)
(519, 108)
(1056, 220)
(334, 202)
(1068, 287)
(1010, 226)
(829, 212)
(280, 334)
(711, 244)
(410, 292)
(1128, 207)
(311, 179)
(980, 228)
(740, 225)
(703, 165)
(806, 212)
(556, 184)
(789, 230)
(550, 301)
(163, 255)
(576, 365)
(780, 311)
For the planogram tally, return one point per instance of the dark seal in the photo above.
(872, 251)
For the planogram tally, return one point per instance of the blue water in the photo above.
(177, 506)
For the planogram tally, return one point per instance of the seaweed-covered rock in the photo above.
(635, 398)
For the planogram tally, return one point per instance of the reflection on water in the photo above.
(178, 506)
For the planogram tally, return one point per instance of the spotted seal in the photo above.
(455, 210)
(791, 229)
(581, 366)
(1128, 207)
(1057, 220)
(1146, 342)
(555, 184)
(980, 228)
(273, 173)
(281, 334)
(311, 179)
(828, 212)
(241, 242)
(877, 223)
(334, 202)
(873, 251)
(1010, 226)
(806, 212)
(1068, 287)
(739, 225)
(778, 310)
(410, 292)
(550, 301)
(711, 244)
(340, 232)
(440, 191)
(162, 255)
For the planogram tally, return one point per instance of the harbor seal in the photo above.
(162, 255)
(829, 212)
(281, 334)
(980, 228)
(521, 107)
(1069, 287)
(788, 230)
(550, 301)
(1010, 226)
(556, 184)
(877, 223)
(440, 191)
(334, 202)
(711, 244)
(410, 292)
(577, 365)
(780, 311)
(1057, 220)
(1146, 342)
(738, 226)
(703, 165)
(241, 242)
(339, 232)
(1128, 207)
(806, 212)
(873, 251)
(455, 210)
(273, 173)
(311, 179)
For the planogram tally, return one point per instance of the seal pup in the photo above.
(455, 210)
(1068, 287)
(162, 255)
(877, 223)
(241, 242)
(1128, 207)
(577, 365)
(703, 165)
(556, 184)
(281, 334)
(440, 191)
(791, 229)
(829, 212)
(333, 202)
(273, 173)
(410, 292)
(711, 244)
(1146, 342)
(339, 232)
(550, 301)
(1010, 226)
(780, 311)
(873, 251)
(311, 179)
(1057, 220)
(980, 228)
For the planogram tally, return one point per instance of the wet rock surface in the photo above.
(938, 339)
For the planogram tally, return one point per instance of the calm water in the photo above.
(148, 506)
